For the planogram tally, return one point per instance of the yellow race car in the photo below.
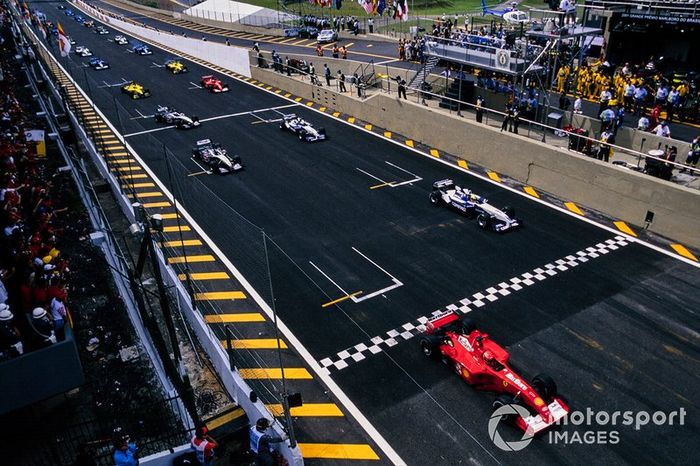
(176, 66)
(135, 90)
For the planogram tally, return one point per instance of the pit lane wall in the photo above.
(616, 192)
(232, 58)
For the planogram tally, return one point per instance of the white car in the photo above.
(121, 40)
(83, 51)
(302, 128)
(327, 35)
(446, 194)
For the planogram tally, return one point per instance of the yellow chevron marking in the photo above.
(255, 343)
(409, 143)
(191, 259)
(494, 176)
(339, 451)
(219, 295)
(435, 153)
(205, 276)
(181, 243)
(573, 208)
(308, 409)
(531, 191)
(234, 318)
(387, 134)
(275, 373)
(683, 251)
(623, 227)
(463, 164)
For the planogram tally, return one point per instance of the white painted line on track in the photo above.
(364, 297)
(372, 176)
(230, 115)
(334, 388)
(407, 331)
(205, 170)
(330, 279)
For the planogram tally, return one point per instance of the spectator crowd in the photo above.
(33, 272)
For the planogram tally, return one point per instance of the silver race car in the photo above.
(83, 51)
(302, 128)
(446, 193)
(216, 157)
(121, 40)
(170, 116)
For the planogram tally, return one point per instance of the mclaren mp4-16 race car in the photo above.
(302, 128)
(170, 116)
(446, 193)
(483, 364)
(176, 66)
(98, 64)
(216, 157)
(213, 84)
(135, 90)
(83, 51)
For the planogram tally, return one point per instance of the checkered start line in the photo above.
(409, 330)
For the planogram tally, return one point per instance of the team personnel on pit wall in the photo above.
(261, 443)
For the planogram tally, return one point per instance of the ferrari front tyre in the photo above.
(504, 400)
(545, 387)
(429, 348)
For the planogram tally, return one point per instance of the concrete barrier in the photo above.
(616, 192)
(232, 58)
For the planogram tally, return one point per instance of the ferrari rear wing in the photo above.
(440, 320)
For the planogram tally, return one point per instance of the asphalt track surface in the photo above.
(617, 332)
(361, 50)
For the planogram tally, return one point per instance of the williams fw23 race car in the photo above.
(483, 364)
(302, 128)
(171, 116)
(135, 90)
(446, 193)
(216, 157)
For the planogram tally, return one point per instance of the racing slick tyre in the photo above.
(504, 400)
(545, 387)
(509, 211)
(467, 325)
(302, 137)
(484, 221)
(436, 199)
(134, 96)
(429, 348)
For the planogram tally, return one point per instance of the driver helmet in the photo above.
(488, 356)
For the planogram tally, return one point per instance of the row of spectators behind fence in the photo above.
(33, 291)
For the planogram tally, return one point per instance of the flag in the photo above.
(36, 136)
(381, 6)
(398, 10)
(368, 6)
(404, 15)
(63, 42)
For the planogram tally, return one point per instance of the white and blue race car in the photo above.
(98, 64)
(302, 128)
(141, 50)
(446, 193)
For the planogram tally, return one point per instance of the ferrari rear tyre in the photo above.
(545, 387)
(467, 325)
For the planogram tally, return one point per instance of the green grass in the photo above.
(416, 7)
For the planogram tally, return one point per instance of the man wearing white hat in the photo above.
(10, 339)
(43, 327)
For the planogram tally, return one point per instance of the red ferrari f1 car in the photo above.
(213, 84)
(483, 364)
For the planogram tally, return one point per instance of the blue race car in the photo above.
(98, 64)
(69, 12)
(141, 50)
